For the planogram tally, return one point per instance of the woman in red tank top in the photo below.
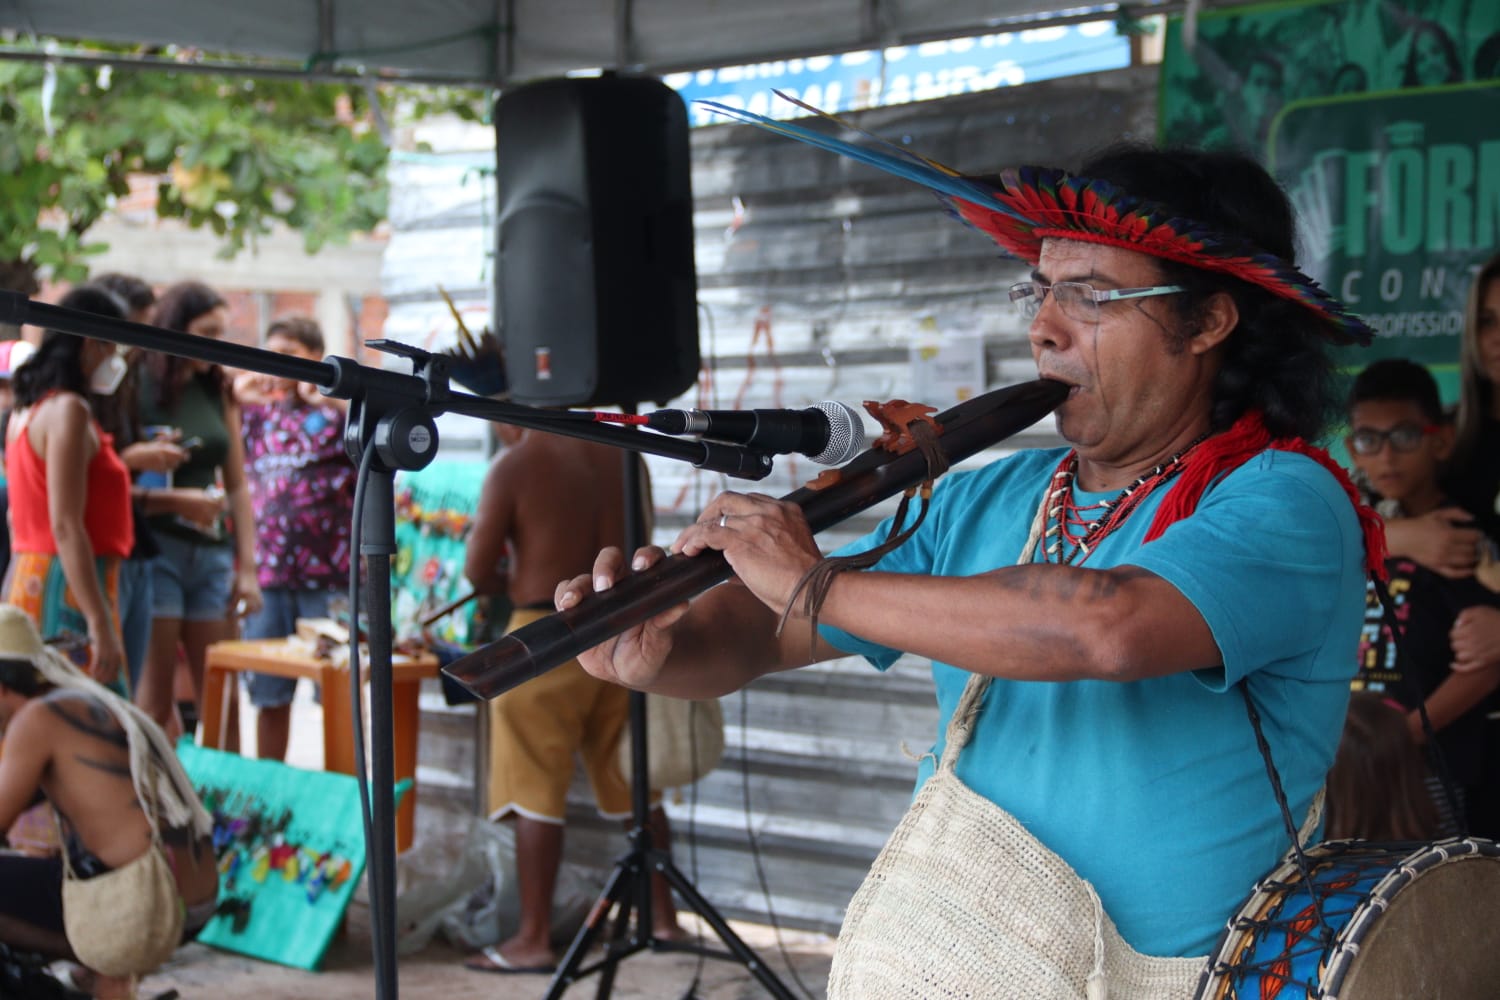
(69, 491)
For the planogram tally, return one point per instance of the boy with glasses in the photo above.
(1399, 438)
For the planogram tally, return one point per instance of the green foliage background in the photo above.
(233, 154)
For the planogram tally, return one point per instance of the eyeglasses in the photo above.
(1078, 301)
(1403, 438)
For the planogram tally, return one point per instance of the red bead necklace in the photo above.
(1071, 537)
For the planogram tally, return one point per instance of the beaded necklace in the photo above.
(1067, 524)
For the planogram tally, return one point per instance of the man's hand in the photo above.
(1444, 540)
(1475, 638)
(633, 658)
(767, 543)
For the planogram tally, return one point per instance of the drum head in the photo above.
(1438, 940)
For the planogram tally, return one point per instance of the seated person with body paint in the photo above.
(137, 875)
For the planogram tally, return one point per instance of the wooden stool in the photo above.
(284, 659)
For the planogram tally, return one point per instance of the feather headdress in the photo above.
(1025, 205)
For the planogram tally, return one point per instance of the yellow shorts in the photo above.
(537, 727)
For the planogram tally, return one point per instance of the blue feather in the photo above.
(907, 166)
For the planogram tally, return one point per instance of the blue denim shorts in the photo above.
(277, 619)
(191, 581)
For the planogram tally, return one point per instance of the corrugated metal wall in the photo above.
(817, 277)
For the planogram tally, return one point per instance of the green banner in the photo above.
(291, 848)
(434, 511)
(1398, 203)
(1381, 118)
(1228, 75)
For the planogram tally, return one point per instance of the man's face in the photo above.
(1394, 474)
(1137, 379)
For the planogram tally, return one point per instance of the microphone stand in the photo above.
(391, 413)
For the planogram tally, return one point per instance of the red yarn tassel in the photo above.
(1220, 453)
(1228, 451)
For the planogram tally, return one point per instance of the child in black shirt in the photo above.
(1398, 440)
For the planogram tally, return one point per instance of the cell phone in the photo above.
(191, 443)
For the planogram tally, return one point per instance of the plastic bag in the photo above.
(479, 902)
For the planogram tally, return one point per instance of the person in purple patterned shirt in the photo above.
(302, 491)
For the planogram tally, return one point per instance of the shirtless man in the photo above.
(64, 742)
(548, 505)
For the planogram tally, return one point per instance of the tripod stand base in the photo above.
(630, 877)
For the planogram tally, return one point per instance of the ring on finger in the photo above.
(723, 520)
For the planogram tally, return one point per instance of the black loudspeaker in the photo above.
(596, 291)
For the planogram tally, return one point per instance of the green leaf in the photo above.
(71, 273)
(160, 150)
(245, 173)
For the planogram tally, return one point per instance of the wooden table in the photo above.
(285, 659)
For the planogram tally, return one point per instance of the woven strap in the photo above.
(67, 856)
(966, 713)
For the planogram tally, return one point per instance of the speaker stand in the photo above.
(627, 891)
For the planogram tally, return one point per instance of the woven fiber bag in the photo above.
(963, 902)
(125, 922)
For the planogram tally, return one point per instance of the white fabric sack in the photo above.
(684, 741)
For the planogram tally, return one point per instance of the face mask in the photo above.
(106, 378)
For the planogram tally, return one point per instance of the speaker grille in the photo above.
(846, 433)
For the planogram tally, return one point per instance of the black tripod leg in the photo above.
(567, 972)
(617, 949)
(662, 862)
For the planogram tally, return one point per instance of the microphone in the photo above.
(829, 433)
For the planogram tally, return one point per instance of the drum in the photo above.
(1403, 921)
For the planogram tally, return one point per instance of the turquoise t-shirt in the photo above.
(1154, 790)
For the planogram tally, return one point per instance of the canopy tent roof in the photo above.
(500, 41)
